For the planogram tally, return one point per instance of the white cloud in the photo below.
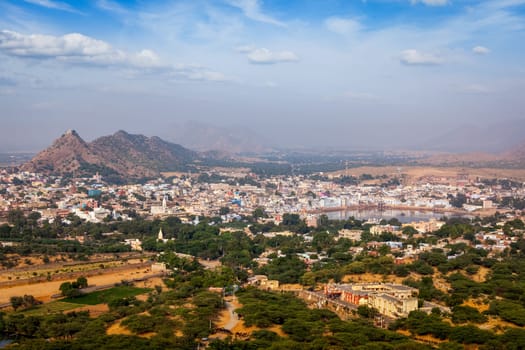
(252, 10)
(414, 57)
(76, 48)
(480, 50)
(56, 5)
(343, 26)
(265, 56)
(431, 2)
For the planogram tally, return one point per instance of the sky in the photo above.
(349, 74)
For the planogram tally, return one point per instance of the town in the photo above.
(232, 193)
(431, 258)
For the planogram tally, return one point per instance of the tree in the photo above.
(409, 231)
(82, 282)
(458, 200)
(291, 219)
(69, 290)
(16, 302)
(323, 220)
(26, 301)
(259, 213)
(366, 311)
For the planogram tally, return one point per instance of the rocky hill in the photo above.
(120, 154)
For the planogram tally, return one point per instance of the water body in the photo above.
(405, 216)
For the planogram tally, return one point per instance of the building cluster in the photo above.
(392, 300)
(93, 200)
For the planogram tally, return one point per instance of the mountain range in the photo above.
(207, 137)
(496, 138)
(121, 154)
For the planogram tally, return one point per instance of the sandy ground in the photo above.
(476, 304)
(240, 328)
(117, 329)
(481, 275)
(210, 264)
(43, 291)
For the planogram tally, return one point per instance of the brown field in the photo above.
(94, 310)
(35, 270)
(414, 172)
(44, 290)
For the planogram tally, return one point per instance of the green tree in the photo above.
(82, 282)
(16, 302)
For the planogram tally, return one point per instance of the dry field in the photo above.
(44, 290)
(38, 269)
(414, 172)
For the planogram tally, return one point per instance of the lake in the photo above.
(405, 216)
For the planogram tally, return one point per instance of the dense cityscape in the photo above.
(262, 174)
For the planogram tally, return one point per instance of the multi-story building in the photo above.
(393, 300)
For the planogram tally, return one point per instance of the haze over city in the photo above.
(370, 74)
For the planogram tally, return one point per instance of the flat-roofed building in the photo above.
(393, 300)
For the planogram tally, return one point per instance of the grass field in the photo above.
(104, 296)
(50, 308)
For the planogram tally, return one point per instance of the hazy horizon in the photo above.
(375, 74)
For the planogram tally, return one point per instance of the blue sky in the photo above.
(305, 73)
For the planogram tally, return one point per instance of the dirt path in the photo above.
(233, 317)
(229, 318)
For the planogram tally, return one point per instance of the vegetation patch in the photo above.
(105, 296)
(50, 308)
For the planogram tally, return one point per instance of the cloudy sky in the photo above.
(303, 73)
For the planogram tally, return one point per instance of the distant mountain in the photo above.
(513, 157)
(516, 154)
(494, 138)
(120, 154)
(204, 137)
